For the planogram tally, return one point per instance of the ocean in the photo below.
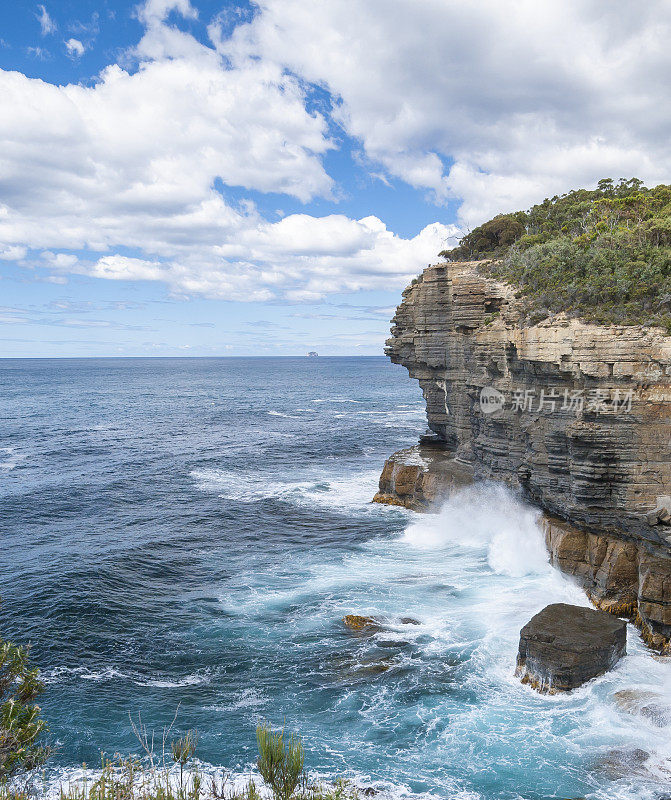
(185, 536)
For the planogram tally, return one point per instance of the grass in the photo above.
(168, 770)
(281, 761)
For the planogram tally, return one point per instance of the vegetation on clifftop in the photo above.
(602, 254)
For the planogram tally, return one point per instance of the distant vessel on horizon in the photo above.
(313, 354)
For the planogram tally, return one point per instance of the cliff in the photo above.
(575, 415)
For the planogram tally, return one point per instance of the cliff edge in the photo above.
(575, 415)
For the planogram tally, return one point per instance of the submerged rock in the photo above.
(621, 762)
(564, 646)
(650, 705)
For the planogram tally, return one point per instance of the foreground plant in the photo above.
(183, 750)
(128, 779)
(20, 723)
(166, 771)
(280, 761)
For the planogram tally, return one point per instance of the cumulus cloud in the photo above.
(301, 258)
(498, 104)
(119, 179)
(156, 11)
(493, 104)
(12, 252)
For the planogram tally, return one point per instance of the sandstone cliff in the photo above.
(575, 415)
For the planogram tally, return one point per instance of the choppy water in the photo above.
(192, 532)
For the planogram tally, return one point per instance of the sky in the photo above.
(230, 179)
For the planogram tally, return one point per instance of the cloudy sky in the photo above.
(227, 178)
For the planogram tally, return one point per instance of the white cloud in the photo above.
(302, 258)
(75, 48)
(12, 252)
(47, 24)
(128, 169)
(38, 52)
(154, 12)
(497, 103)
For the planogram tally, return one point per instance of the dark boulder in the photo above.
(564, 646)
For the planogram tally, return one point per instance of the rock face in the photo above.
(564, 646)
(577, 416)
(626, 577)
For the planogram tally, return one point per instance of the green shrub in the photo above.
(280, 761)
(183, 750)
(490, 239)
(20, 724)
(601, 254)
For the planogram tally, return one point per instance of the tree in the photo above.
(601, 254)
(20, 722)
(489, 239)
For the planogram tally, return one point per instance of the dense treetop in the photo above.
(603, 254)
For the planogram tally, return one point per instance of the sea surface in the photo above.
(185, 535)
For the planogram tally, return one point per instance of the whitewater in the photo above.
(191, 532)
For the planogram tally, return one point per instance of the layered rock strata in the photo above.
(626, 577)
(564, 646)
(577, 416)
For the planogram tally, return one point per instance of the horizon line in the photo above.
(74, 358)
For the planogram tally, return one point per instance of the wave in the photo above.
(322, 489)
(104, 674)
(195, 679)
(59, 674)
(486, 515)
(247, 698)
(336, 400)
(11, 458)
(490, 548)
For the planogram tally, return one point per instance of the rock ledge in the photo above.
(420, 477)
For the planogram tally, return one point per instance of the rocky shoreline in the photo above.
(575, 416)
(419, 477)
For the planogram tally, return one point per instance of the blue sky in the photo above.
(218, 178)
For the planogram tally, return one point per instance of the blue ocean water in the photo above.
(190, 532)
